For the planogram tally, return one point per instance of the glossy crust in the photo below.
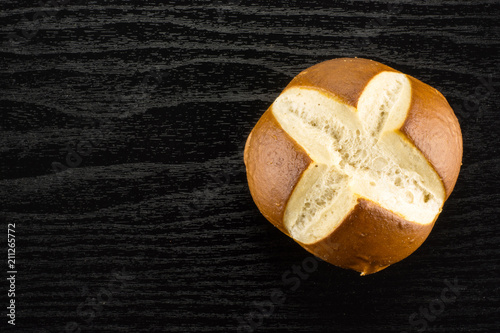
(274, 163)
(434, 129)
(370, 238)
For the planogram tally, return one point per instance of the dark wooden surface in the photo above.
(150, 227)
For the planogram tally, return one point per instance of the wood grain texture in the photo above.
(152, 228)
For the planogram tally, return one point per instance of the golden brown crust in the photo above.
(369, 239)
(274, 163)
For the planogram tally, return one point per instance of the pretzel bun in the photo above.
(354, 160)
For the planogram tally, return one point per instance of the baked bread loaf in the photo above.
(354, 161)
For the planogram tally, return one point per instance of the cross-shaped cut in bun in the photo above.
(354, 160)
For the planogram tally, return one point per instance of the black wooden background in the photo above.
(122, 127)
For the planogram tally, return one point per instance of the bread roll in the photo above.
(354, 160)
